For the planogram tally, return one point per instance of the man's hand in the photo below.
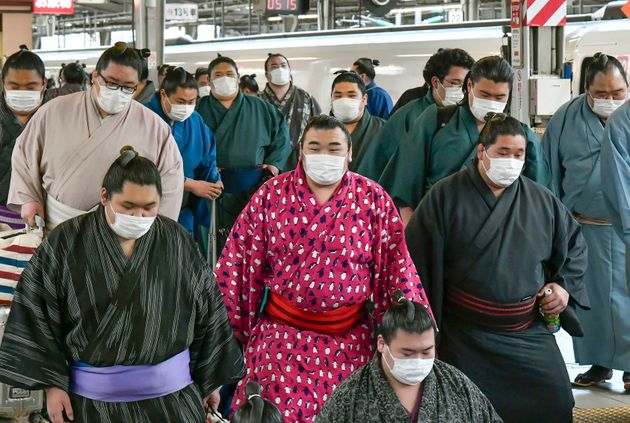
(554, 303)
(209, 190)
(212, 401)
(29, 210)
(274, 170)
(58, 401)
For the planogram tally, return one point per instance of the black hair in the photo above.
(440, 64)
(73, 73)
(178, 78)
(325, 122)
(200, 72)
(366, 66)
(221, 59)
(144, 54)
(131, 167)
(257, 409)
(498, 124)
(271, 56)
(405, 314)
(494, 68)
(24, 60)
(121, 54)
(164, 69)
(249, 82)
(602, 63)
(348, 76)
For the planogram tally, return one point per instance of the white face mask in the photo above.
(204, 91)
(180, 112)
(452, 95)
(503, 171)
(23, 101)
(113, 101)
(226, 86)
(604, 108)
(130, 227)
(324, 169)
(280, 76)
(346, 109)
(481, 107)
(409, 371)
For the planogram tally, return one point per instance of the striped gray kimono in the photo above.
(82, 300)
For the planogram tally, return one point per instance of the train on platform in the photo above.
(402, 51)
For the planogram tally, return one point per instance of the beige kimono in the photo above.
(66, 149)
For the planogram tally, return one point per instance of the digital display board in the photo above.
(286, 7)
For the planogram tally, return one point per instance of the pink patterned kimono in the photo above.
(318, 258)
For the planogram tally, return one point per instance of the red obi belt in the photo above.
(513, 317)
(334, 322)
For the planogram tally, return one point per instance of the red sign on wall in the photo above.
(53, 7)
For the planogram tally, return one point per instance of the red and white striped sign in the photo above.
(53, 7)
(546, 13)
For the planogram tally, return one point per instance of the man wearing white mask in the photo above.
(572, 144)
(252, 140)
(444, 75)
(405, 382)
(203, 81)
(296, 105)
(489, 243)
(442, 140)
(175, 104)
(315, 247)
(24, 81)
(349, 104)
(117, 316)
(58, 163)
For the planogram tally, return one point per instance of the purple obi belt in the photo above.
(131, 383)
(11, 218)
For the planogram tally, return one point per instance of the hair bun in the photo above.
(376, 62)
(23, 47)
(144, 53)
(127, 154)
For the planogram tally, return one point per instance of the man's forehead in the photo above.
(343, 87)
(325, 136)
(223, 67)
(277, 60)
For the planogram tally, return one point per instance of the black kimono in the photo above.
(482, 260)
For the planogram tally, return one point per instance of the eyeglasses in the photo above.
(113, 86)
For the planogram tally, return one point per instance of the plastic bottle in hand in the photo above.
(551, 320)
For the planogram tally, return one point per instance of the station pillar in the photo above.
(537, 56)
(148, 20)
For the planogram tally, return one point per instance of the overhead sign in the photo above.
(53, 7)
(546, 13)
(183, 12)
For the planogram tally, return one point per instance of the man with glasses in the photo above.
(61, 157)
(296, 105)
(572, 143)
(444, 76)
(493, 248)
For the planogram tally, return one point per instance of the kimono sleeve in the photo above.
(404, 177)
(32, 353)
(551, 149)
(426, 238)
(535, 165)
(209, 159)
(280, 147)
(615, 169)
(26, 175)
(393, 267)
(216, 356)
(171, 167)
(239, 271)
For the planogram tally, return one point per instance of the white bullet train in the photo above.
(402, 51)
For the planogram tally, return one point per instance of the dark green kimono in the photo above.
(447, 396)
(363, 137)
(249, 134)
(427, 155)
(381, 150)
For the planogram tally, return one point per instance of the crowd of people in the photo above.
(379, 263)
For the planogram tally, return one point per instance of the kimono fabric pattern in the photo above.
(318, 258)
(82, 301)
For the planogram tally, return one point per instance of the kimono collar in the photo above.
(6, 115)
(483, 188)
(307, 197)
(269, 94)
(371, 85)
(594, 123)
